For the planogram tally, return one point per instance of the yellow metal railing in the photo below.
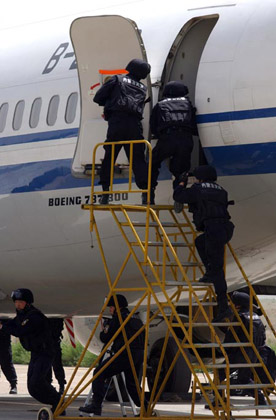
(153, 283)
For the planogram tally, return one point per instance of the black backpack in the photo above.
(269, 358)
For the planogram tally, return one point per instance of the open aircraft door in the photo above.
(103, 47)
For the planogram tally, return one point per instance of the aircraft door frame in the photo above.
(183, 62)
(103, 47)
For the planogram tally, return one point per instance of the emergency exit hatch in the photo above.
(103, 47)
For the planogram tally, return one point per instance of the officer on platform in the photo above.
(123, 98)
(121, 363)
(6, 360)
(32, 328)
(173, 122)
(208, 202)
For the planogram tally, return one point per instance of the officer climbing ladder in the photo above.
(161, 245)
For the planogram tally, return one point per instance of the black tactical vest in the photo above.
(36, 341)
(212, 202)
(129, 96)
(174, 112)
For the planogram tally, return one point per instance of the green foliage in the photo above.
(20, 356)
(70, 356)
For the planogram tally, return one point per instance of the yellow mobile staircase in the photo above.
(161, 246)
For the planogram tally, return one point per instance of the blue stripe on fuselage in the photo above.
(236, 115)
(56, 174)
(35, 137)
(201, 119)
(243, 159)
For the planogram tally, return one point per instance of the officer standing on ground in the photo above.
(121, 363)
(123, 98)
(56, 325)
(173, 122)
(242, 301)
(32, 328)
(208, 202)
(6, 360)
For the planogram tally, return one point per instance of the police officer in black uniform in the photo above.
(121, 363)
(173, 122)
(208, 202)
(245, 376)
(32, 328)
(123, 98)
(6, 360)
(56, 325)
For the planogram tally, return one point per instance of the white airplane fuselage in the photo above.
(223, 50)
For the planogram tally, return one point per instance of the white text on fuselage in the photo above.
(78, 199)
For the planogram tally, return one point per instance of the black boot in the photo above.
(92, 408)
(145, 198)
(13, 389)
(178, 207)
(224, 311)
(104, 200)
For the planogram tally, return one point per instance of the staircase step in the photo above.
(214, 324)
(185, 284)
(161, 244)
(216, 345)
(244, 386)
(155, 224)
(231, 365)
(252, 407)
(174, 264)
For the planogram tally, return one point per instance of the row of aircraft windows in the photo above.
(34, 117)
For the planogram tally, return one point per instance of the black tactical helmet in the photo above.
(241, 299)
(23, 294)
(205, 173)
(122, 302)
(175, 89)
(138, 68)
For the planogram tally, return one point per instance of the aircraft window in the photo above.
(3, 116)
(53, 110)
(71, 107)
(18, 115)
(35, 112)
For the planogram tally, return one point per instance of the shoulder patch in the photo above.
(24, 322)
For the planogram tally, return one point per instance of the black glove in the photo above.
(184, 178)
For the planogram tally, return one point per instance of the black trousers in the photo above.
(123, 127)
(178, 146)
(210, 246)
(120, 364)
(6, 363)
(38, 379)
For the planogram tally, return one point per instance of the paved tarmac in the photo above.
(23, 407)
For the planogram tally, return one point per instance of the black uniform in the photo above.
(56, 325)
(123, 98)
(121, 363)
(208, 202)
(245, 376)
(173, 123)
(6, 358)
(33, 330)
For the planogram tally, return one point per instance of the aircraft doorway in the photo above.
(183, 62)
(103, 47)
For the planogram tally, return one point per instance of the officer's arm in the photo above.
(184, 195)
(30, 325)
(114, 325)
(104, 92)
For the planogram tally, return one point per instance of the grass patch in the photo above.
(70, 356)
